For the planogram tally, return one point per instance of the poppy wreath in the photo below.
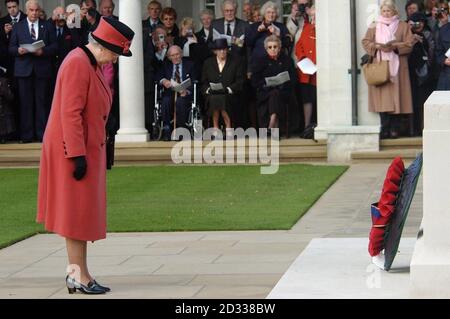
(382, 211)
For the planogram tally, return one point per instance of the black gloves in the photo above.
(80, 167)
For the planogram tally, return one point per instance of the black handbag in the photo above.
(110, 146)
(110, 141)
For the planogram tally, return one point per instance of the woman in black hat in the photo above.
(72, 175)
(222, 80)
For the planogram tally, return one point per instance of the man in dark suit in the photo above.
(149, 25)
(205, 35)
(33, 71)
(177, 69)
(232, 26)
(6, 25)
(67, 39)
(6, 60)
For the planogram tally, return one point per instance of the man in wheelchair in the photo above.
(176, 106)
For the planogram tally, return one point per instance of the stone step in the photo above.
(18, 155)
(294, 142)
(402, 143)
(386, 155)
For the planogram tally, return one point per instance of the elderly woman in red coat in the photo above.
(72, 176)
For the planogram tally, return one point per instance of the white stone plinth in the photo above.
(430, 266)
(343, 140)
(131, 79)
(341, 268)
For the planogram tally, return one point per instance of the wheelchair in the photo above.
(157, 125)
(194, 122)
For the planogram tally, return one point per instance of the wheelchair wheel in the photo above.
(156, 132)
(195, 123)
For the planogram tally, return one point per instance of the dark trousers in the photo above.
(34, 95)
(389, 122)
(182, 109)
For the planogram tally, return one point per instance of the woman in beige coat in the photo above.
(392, 40)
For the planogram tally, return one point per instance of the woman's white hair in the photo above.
(272, 38)
(94, 42)
(390, 4)
(268, 5)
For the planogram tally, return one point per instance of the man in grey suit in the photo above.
(235, 27)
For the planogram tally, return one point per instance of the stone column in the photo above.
(131, 78)
(430, 265)
(334, 90)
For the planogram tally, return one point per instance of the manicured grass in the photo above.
(181, 198)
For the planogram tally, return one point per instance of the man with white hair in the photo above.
(232, 26)
(33, 70)
(177, 69)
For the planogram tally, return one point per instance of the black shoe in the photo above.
(394, 135)
(166, 136)
(384, 135)
(25, 141)
(107, 289)
(91, 289)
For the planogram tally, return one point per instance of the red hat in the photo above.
(114, 35)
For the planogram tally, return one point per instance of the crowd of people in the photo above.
(238, 54)
(419, 59)
(235, 53)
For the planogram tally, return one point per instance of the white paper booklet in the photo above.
(448, 54)
(216, 86)
(33, 47)
(307, 66)
(239, 41)
(279, 79)
(179, 87)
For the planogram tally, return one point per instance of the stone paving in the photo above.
(200, 264)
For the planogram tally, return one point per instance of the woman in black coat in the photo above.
(271, 101)
(224, 70)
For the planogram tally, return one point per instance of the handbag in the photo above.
(376, 72)
(423, 73)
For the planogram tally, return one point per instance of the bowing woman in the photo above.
(220, 69)
(72, 175)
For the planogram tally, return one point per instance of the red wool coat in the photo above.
(76, 126)
(306, 48)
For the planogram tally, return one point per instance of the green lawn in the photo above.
(168, 198)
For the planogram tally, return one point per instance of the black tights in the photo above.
(389, 122)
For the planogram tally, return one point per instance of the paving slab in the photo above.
(341, 268)
(241, 264)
